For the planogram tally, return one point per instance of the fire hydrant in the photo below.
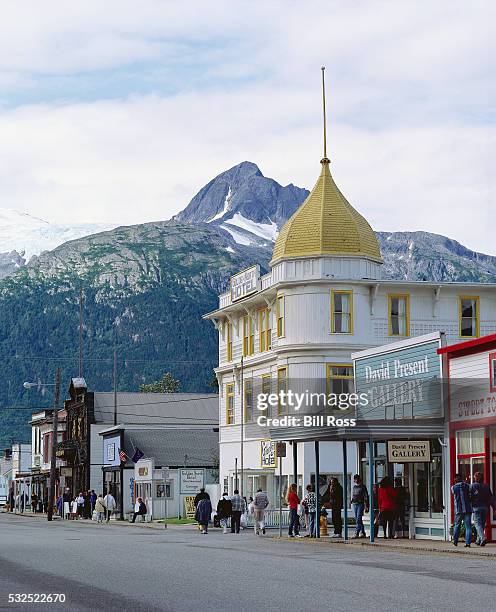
(323, 524)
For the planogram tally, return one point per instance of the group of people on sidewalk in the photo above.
(471, 503)
(233, 508)
(86, 506)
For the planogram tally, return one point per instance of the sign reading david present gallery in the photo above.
(408, 451)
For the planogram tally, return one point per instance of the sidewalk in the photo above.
(432, 546)
(437, 546)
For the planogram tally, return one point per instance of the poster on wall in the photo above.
(191, 480)
(268, 454)
(110, 451)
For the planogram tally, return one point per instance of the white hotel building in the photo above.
(322, 300)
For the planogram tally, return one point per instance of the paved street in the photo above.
(133, 568)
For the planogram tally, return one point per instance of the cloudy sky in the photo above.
(119, 111)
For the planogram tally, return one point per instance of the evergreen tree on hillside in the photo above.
(167, 384)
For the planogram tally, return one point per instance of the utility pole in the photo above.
(242, 453)
(81, 333)
(115, 386)
(53, 459)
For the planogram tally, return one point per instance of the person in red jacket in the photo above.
(293, 501)
(387, 506)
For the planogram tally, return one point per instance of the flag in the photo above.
(138, 454)
(122, 455)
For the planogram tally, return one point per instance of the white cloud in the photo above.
(409, 100)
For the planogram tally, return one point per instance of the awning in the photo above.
(378, 430)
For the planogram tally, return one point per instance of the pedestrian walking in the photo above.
(482, 497)
(260, 502)
(336, 501)
(34, 503)
(87, 505)
(139, 509)
(224, 511)
(463, 510)
(387, 506)
(100, 508)
(60, 505)
(401, 502)
(238, 508)
(203, 513)
(67, 498)
(293, 501)
(309, 503)
(74, 509)
(360, 504)
(80, 505)
(110, 505)
(92, 501)
(201, 495)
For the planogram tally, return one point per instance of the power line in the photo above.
(102, 360)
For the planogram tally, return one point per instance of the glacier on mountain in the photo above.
(268, 231)
(28, 235)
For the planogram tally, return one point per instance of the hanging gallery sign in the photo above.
(408, 451)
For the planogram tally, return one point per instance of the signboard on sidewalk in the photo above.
(189, 506)
(408, 451)
(191, 480)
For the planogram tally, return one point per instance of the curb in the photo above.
(474, 552)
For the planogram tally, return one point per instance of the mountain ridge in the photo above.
(147, 286)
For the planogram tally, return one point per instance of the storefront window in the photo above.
(493, 453)
(470, 453)
(436, 486)
(421, 477)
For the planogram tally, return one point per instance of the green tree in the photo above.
(167, 384)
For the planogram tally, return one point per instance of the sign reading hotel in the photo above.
(408, 451)
(268, 454)
(400, 383)
(245, 283)
(191, 481)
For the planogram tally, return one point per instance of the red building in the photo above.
(471, 391)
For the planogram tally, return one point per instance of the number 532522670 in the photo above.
(36, 597)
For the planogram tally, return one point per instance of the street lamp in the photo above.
(53, 458)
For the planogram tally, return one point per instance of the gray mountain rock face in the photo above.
(10, 263)
(245, 190)
(427, 256)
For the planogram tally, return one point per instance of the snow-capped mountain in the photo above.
(253, 208)
(245, 203)
(24, 235)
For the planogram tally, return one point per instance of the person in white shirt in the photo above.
(110, 505)
(74, 509)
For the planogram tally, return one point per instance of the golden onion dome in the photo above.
(326, 224)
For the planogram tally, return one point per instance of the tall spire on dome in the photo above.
(325, 159)
(326, 223)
